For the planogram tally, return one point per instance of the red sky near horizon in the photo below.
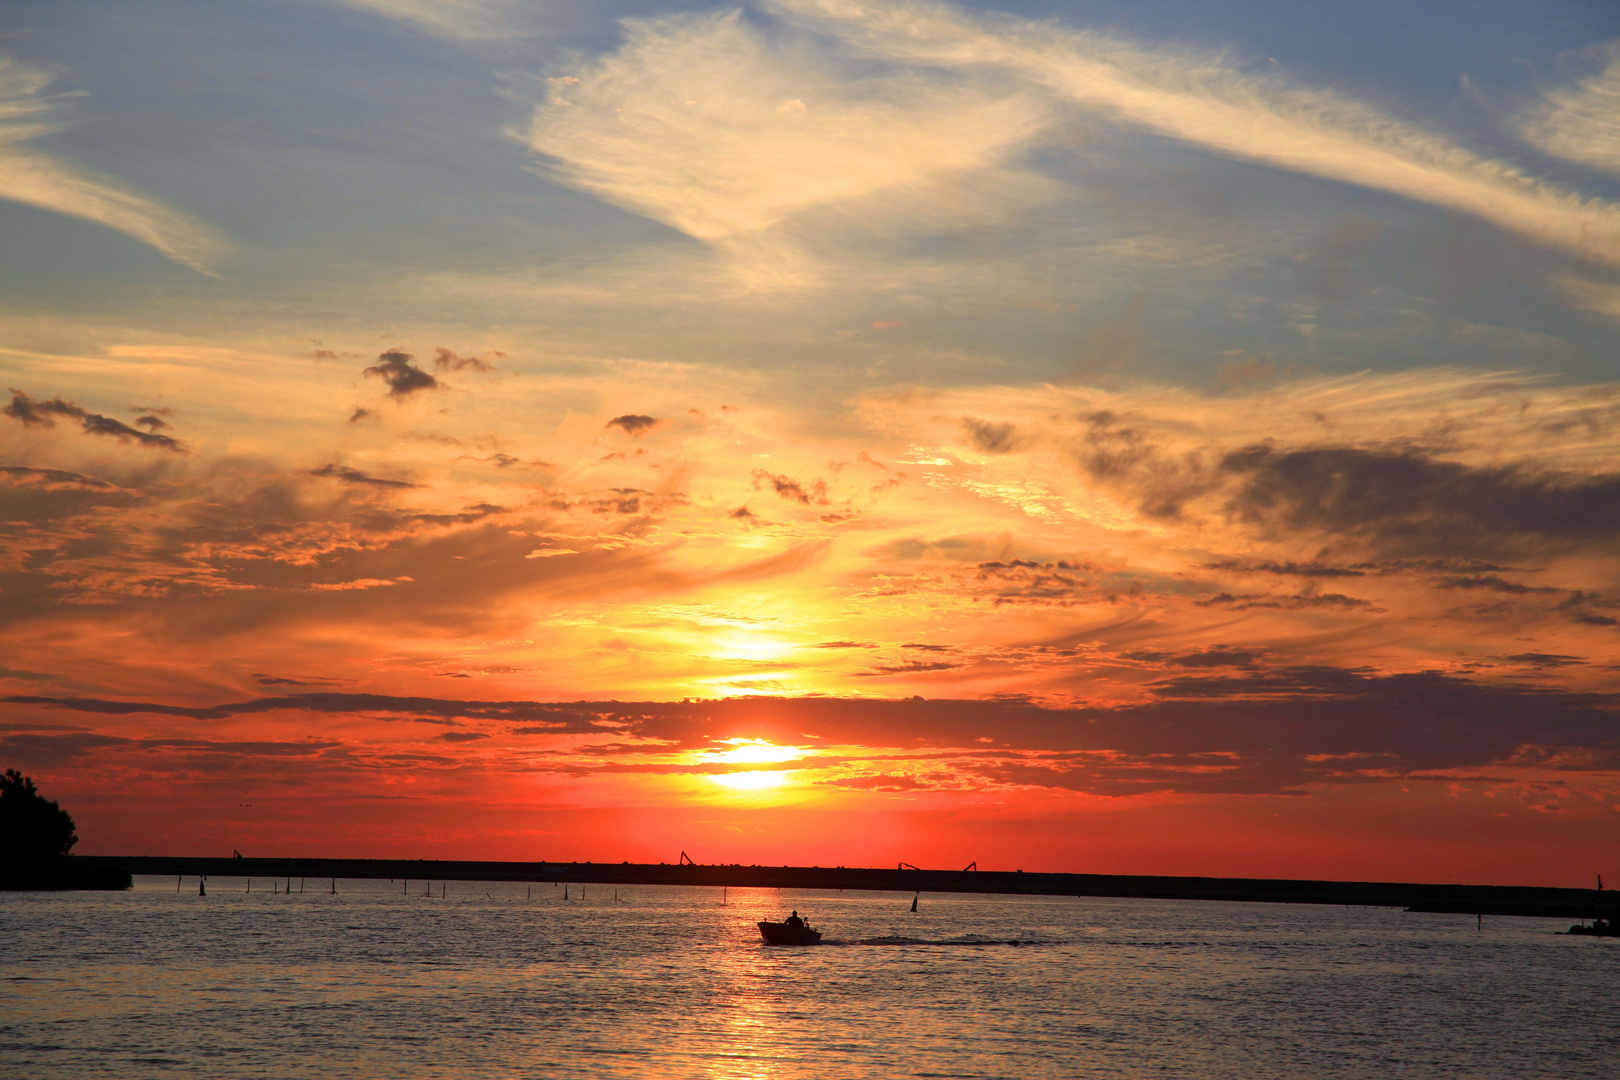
(826, 434)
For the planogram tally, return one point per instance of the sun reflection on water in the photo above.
(750, 1045)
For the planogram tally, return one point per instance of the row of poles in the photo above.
(202, 886)
(444, 890)
(427, 888)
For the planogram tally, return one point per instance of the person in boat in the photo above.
(794, 921)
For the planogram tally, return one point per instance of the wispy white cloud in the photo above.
(1599, 297)
(704, 124)
(459, 20)
(39, 179)
(1581, 122)
(1206, 102)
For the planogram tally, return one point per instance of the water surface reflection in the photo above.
(479, 980)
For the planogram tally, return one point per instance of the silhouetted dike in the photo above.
(1457, 899)
(36, 841)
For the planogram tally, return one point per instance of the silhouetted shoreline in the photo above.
(1453, 899)
(70, 872)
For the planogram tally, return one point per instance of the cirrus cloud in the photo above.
(1582, 122)
(1209, 103)
(725, 133)
(29, 175)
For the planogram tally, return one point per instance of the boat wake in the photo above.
(970, 941)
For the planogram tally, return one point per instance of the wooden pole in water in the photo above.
(914, 903)
(334, 886)
(565, 890)
(177, 883)
(201, 888)
(407, 886)
(250, 886)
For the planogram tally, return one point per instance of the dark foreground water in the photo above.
(666, 982)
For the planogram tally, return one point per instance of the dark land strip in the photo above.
(1454, 899)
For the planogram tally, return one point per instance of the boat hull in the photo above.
(776, 933)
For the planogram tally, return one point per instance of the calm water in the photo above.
(668, 983)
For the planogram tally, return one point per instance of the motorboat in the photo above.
(781, 933)
(1598, 928)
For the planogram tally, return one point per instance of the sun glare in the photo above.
(751, 781)
(753, 647)
(756, 751)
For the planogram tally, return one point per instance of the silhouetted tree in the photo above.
(32, 827)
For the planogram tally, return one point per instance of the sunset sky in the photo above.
(1151, 437)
